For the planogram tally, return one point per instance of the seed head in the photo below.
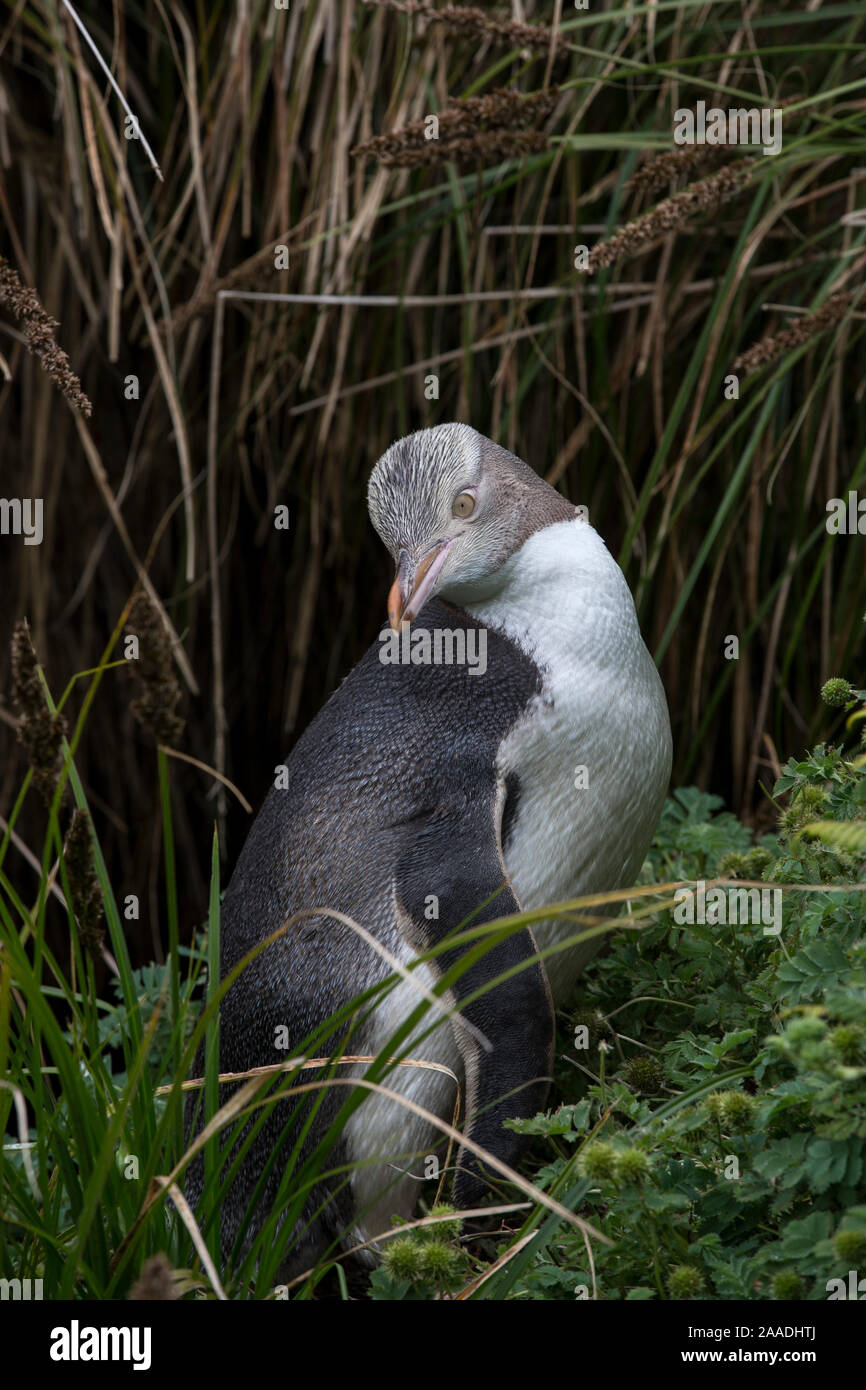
(645, 1074)
(836, 692)
(850, 1246)
(684, 1282)
(84, 889)
(40, 731)
(597, 1161)
(787, 1285)
(632, 1166)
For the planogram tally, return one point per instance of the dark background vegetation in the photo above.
(614, 390)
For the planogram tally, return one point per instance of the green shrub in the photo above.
(754, 1154)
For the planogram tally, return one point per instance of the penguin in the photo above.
(526, 766)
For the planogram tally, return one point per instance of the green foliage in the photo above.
(685, 1281)
(714, 1131)
(98, 1082)
(424, 1263)
(748, 1170)
(644, 1074)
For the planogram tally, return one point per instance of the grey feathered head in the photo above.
(452, 506)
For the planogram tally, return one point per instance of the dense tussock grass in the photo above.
(614, 387)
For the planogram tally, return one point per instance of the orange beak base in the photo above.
(413, 584)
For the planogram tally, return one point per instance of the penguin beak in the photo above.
(414, 583)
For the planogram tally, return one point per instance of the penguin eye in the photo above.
(464, 504)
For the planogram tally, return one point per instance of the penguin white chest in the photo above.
(589, 762)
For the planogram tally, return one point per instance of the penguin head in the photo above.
(451, 507)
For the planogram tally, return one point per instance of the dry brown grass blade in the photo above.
(101, 480)
(185, 1213)
(220, 720)
(127, 108)
(237, 1108)
(225, 1078)
(211, 772)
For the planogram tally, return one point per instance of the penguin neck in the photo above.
(561, 591)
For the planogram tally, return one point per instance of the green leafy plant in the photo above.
(745, 1177)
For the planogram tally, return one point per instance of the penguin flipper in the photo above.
(507, 1076)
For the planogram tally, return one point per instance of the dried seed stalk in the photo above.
(154, 708)
(809, 326)
(497, 124)
(40, 731)
(668, 216)
(475, 24)
(38, 328)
